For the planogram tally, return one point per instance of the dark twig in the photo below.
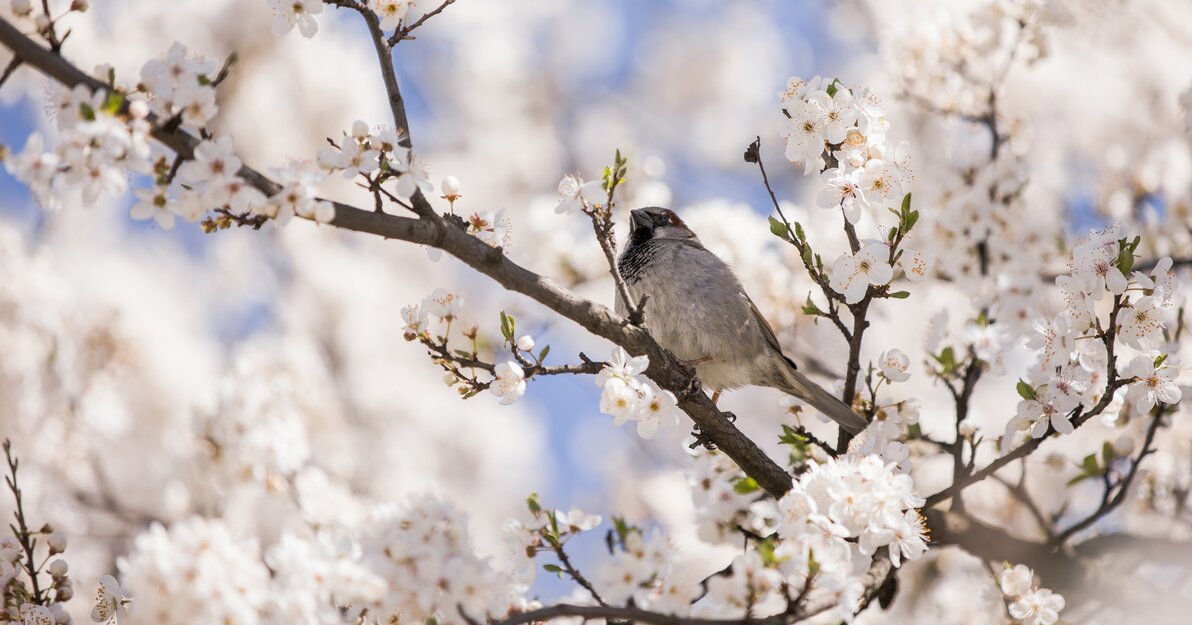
(22, 531)
(1115, 492)
(404, 32)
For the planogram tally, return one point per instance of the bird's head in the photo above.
(653, 222)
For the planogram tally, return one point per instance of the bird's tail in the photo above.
(800, 386)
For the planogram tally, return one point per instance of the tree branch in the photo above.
(664, 368)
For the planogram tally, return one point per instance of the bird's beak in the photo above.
(640, 219)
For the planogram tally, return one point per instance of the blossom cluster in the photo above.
(1027, 602)
(255, 431)
(99, 147)
(106, 137)
(627, 395)
(826, 118)
(364, 152)
(301, 13)
(837, 515)
(844, 136)
(644, 571)
(1071, 369)
(428, 540)
(726, 500)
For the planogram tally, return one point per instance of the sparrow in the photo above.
(697, 309)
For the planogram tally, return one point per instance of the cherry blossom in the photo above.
(290, 13)
(853, 273)
(509, 382)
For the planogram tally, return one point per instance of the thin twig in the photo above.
(404, 33)
(22, 527)
(1119, 489)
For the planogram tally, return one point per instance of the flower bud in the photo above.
(56, 542)
(64, 593)
(138, 109)
(41, 22)
(80, 5)
(966, 429)
(450, 379)
(450, 187)
(525, 343)
(58, 568)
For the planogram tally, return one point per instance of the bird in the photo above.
(697, 309)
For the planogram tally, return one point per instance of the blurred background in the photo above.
(262, 377)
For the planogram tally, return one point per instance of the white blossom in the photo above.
(509, 382)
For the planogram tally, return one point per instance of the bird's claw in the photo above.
(701, 440)
(732, 418)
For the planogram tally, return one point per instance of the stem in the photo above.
(22, 529)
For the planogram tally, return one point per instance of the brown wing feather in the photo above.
(767, 331)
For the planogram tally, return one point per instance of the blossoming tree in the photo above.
(1054, 348)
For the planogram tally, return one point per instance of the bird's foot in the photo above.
(732, 418)
(700, 440)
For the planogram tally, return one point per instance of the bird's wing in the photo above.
(767, 331)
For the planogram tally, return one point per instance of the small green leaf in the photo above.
(1026, 391)
(542, 354)
(553, 568)
(1107, 453)
(947, 360)
(809, 308)
(799, 232)
(1160, 360)
(911, 220)
(779, 229)
(86, 112)
(532, 504)
(1089, 465)
(900, 294)
(893, 233)
(765, 549)
(508, 326)
(745, 485)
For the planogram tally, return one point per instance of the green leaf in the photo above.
(745, 485)
(1160, 360)
(86, 112)
(111, 104)
(900, 294)
(832, 88)
(553, 568)
(893, 233)
(1026, 391)
(508, 326)
(906, 203)
(779, 229)
(911, 220)
(1125, 260)
(799, 232)
(947, 359)
(765, 549)
(1107, 453)
(532, 504)
(1088, 468)
(542, 354)
(810, 308)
